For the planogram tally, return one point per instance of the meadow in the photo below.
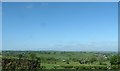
(59, 60)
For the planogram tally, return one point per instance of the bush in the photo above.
(14, 64)
(90, 67)
(67, 67)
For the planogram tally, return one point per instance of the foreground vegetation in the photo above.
(14, 60)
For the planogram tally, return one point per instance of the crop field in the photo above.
(59, 60)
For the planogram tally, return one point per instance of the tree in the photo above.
(32, 56)
(114, 60)
(20, 56)
(93, 59)
(67, 61)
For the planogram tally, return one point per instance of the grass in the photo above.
(60, 56)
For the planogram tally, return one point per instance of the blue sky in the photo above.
(60, 26)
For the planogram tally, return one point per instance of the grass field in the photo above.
(65, 60)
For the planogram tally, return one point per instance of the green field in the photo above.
(66, 60)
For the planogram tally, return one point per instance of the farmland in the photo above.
(60, 60)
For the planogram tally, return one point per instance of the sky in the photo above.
(61, 26)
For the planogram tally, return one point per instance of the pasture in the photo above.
(64, 59)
